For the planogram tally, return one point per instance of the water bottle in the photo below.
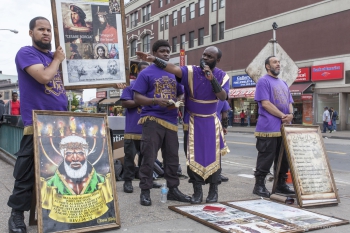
(164, 193)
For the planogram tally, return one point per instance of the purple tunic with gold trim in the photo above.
(205, 137)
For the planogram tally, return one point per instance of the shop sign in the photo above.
(327, 72)
(306, 97)
(242, 93)
(303, 75)
(182, 57)
(242, 81)
(115, 93)
(101, 94)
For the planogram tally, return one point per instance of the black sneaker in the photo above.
(16, 222)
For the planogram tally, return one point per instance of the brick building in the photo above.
(314, 33)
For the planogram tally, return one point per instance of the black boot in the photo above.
(16, 222)
(282, 187)
(128, 186)
(145, 198)
(213, 193)
(197, 197)
(176, 195)
(223, 178)
(259, 188)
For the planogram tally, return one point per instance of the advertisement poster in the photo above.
(91, 34)
(75, 179)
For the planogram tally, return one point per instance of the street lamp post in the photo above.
(11, 30)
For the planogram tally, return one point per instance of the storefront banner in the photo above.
(242, 93)
(182, 57)
(242, 81)
(303, 75)
(327, 72)
(306, 97)
(115, 93)
(101, 94)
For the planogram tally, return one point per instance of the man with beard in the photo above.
(275, 108)
(106, 33)
(153, 89)
(80, 32)
(75, 175)
(203, 85)
(112, 67)
(87, 52)
(74, 52)
(38, 72)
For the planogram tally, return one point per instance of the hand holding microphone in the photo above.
(202, 65)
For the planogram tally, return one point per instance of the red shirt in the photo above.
(242, 115)
(15, 108)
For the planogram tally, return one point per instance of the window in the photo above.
(146, 13)
(161, 21)
(192, 12)
(174, 44)
(167, 1)
(182, 42)
(126, 22)
(7, 95)
(174, 18)
(201, 36)
(133, 48)
(166, 22)
(183, 14)
(146, 42)
(213, 33)
(221, 30)
(160, 3)
(201, 7)
(191, 40)
(221, 3)
(214, 5)
(133, 19)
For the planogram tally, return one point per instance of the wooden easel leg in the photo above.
(276, 175)
(32, 216)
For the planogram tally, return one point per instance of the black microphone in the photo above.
(202, 64)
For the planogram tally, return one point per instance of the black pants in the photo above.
(194, 177)
(24, 175)
(268, 152)
(131, 148)
(155, 137)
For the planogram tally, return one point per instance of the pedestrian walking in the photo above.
(327, 123)
(242, 116)
(334, 118)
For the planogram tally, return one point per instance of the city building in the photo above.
(314, 33)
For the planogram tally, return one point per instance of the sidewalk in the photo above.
(344, 134)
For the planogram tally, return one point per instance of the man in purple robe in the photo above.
(203, 87)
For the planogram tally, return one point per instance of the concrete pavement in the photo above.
(158, 218)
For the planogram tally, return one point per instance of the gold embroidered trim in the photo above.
(132, 136)
(268, 135)
(28, 130)
(203, 101)
(225, 150)
(185, 127)
(225, 79)
(190, 79)
(159, 121)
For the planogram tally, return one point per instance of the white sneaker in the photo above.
(334, 130)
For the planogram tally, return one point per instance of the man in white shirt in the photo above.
(326, 118)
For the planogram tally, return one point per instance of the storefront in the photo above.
(112, 105)
(241, 97)
(331, 91)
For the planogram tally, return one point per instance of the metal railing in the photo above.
(10, 138)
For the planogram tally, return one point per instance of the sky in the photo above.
(16, 14)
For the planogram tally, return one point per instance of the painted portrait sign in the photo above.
(75, 180)
(91, 34)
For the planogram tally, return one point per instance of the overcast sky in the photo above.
(16, 14)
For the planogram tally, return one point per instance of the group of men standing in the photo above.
(156, 89)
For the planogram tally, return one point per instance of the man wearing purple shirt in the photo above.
(153, 89)
(203, 85)
(275, 108)
(132, 135)
(41, 88)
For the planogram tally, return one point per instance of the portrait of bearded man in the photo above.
(75, 175)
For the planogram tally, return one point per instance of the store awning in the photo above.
(248, 92)
(96, 100)
(299, 89)
(109, 101)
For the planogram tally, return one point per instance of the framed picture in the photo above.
(303, 219)
(224, 218)
(92, 35)
(310, 169)
(75, 181)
